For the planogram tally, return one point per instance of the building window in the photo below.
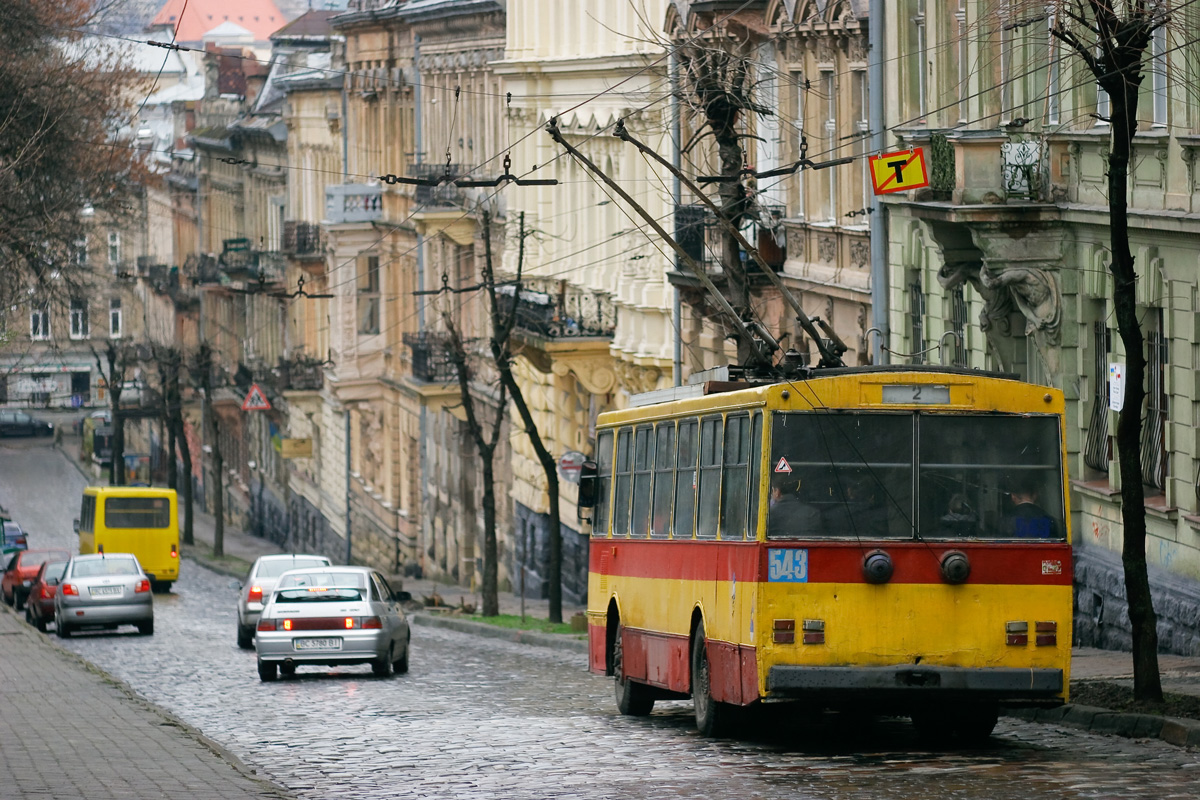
(916, 318)
(1095, 448)
(368, 295)
(861, 103)
(829, 87)
(1154, 428)
(958, 324)
(81, 252)
(1158, 75)
(79, 319)
(801, 109)
(960, 17)
(39, 323)
(114, 248)
(114, 318)
(1053, 102)
(1103, 106)
(922, 55)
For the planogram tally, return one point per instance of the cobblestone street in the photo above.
(480, 718)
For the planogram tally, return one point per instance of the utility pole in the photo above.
(879, 265)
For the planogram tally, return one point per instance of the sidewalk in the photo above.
(72, 731)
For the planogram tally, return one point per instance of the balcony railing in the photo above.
(353, 202)
(201, 268)
(1024, 168)
(301, 239)
(264, 266)
(432, 356)
(563, 312)
(299, 373)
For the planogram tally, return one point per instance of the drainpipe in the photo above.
(677, 194)
(879, 262)
(349, 548)
(423, 418)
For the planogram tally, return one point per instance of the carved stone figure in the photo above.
(1035, 291)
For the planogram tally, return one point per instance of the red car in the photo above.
(39, 605)
(22, 568)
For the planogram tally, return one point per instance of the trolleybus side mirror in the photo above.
(587, 485)
(75, 524)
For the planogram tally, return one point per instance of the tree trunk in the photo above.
(1147, 684)
(218, 491)
(491, 551)
(185, 455)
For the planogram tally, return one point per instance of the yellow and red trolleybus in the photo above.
(894, 538)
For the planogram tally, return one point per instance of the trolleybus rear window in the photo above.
(972, 476)
(137, 512)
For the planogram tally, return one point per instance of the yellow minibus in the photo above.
(133, 519)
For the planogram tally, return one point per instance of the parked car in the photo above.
(259, 584)
(332, 616)
(18, 423)
(20, 571)
(12, 538)
(39, 606)
(104, 590)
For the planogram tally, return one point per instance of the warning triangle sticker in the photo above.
(783, 466)
(256, 400)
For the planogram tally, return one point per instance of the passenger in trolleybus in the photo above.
(789, 515)
(1028, 520)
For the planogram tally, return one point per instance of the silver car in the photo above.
(259, 583)
(103, 591)
(332, 616)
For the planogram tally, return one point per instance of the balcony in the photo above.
(564, 312)
(701, 237)
(432, 356)
(446, 194)
(299, 373)
(303, 240)
(353, 202)
(201, 268)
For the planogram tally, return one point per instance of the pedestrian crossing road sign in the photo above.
(899, 172)
(255, 400)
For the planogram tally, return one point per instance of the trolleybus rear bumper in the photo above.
(910, 682)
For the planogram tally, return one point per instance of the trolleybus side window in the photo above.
(620, 515)
(709, 483)
(604, 465)
(664, 480)
(734, 482)
(643, 465)
(995, 477)
(685, 481)
(755, 472)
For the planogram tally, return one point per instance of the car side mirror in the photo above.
(52, 581)
(402, 597)
(235, 586)
(587, 485)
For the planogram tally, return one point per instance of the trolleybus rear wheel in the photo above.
(713, 718)
(633, 699)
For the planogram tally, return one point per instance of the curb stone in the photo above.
(1172, 730)
(551, 640)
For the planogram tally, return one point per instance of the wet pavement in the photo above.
(479, 717)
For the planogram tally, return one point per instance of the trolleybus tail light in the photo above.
(785, 631)
(255, 595)
(1018, 632)
(814, 631)
(1047, 633)
(266, 625)
(174, 551)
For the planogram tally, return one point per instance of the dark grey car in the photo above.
(104, 590)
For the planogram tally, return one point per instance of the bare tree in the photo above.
(170, 364)
(204, 368)
(112, 362)
(1111, 37)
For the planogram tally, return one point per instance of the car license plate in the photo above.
(98, 591)
(317, 644)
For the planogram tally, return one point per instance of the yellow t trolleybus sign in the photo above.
(899, 172)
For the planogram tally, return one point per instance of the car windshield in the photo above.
(276, 567)
(354, 580)
(319, 594)
(105, 566)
